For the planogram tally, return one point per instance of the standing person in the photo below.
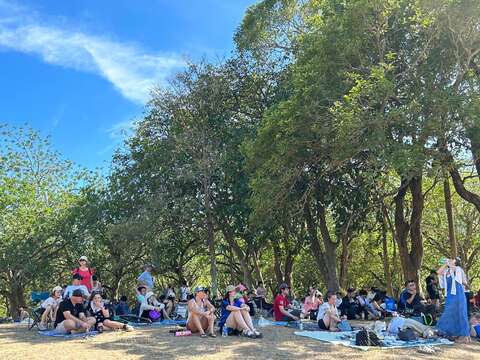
(71, 315)
(49, 307)
(102, 316)
(146, 277)
(432, 289)
(454, 320)
(201, 314)
(328, 316)
(281, 304)
(85, 272)
(235, 315)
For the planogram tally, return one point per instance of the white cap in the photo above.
(83, 258)
(57, 288)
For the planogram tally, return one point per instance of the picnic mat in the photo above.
(348, 339)
(159, 323)
(67, 336)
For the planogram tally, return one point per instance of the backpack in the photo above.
(407, 335)
(367, 338)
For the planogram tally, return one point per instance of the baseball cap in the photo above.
(77, 293)
(284, 286)
(200, 288)
(83, 257)
(57, 288)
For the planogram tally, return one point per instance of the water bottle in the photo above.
(183, 333)
(224, 331)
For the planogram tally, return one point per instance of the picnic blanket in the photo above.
(348, 339)
(53, 333)
(159, 323)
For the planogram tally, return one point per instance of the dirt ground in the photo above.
(16, 342)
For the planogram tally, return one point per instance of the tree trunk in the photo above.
(411, 260)
(386, 262)
(344, 261)
(242, 257)
(277, 265)
(16, 298)
(326, 259)
(449, 210)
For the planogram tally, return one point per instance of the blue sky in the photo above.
(80, 70)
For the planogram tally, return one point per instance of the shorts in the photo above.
(60, 328)
(321, 325)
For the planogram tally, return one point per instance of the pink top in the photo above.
(310, 305)
(86, 275)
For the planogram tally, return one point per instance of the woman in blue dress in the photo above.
(454, 320)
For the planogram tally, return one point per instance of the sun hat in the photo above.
(230, 288)
(57, 288)
(83, 257)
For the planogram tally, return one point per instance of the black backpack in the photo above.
(407, 335)
(367, 338)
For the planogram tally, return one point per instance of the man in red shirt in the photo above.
(281, 304)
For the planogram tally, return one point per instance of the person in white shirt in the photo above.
(76, 284)
(328, 316)
(184, 292)
(49, 307)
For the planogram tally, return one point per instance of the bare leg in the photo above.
(326, 321)
(248, 320)
(110, 324)
(211, 323)
(235, 321)
(46, 314)
(195, 325)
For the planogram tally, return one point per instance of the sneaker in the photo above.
(249, 334)
(42, 326)
(257, 333)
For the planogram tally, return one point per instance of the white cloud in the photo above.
(131, 69)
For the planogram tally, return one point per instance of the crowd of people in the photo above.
(81, 306)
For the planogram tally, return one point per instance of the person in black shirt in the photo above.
(350, 306)
(432, 289)
(71, 315)
(411, 303)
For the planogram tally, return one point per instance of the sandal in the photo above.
(100, 329)
(203, 335)
(213, 335)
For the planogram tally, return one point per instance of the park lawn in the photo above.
(16, 342)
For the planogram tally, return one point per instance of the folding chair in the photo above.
(181, 311)
(36, 298)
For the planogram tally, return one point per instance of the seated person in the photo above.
(328, 316)
(169, 298)
(150, 303)
(475, 326)
(340, 296)
(201, 314)
(96, 285)
(282, 309)
(236, 315)
(184, 292)
(261, 291)
(312, 303)
(349, 306)
(476, 300)
(363, 304)
(102, 316)
(122, 307)
(23, 313)
(49, 307)
(375, 309)
(71, 316)
(76, 285)
(411, 303)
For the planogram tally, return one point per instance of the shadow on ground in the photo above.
(278, 343)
